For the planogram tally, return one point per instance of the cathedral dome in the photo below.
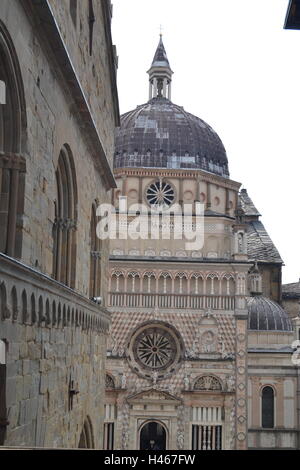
(161, 134)
(266, 315)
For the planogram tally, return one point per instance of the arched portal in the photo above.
(86, 440)
(153, 436)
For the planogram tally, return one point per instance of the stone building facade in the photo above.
(58, 112)
(199, 353)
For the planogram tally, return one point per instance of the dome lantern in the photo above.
(160, 74)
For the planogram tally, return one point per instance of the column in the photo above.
(165, 87)
(241, 411)
(150, 90)
(154, 88)
(169, 91)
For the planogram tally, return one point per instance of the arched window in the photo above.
(267, 407)
(12, 139)
(95, 258)
(64, 230)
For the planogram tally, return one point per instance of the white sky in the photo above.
(239, 70)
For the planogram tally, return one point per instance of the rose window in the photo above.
(160, 194)
(155, 348)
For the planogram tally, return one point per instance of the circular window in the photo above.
(155, 348)
(160, 194)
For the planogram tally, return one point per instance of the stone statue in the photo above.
(123, 381)
(207, 313)
(208, 342)
(154, 378)
(180, 440)
(121, 352)
(186, 382)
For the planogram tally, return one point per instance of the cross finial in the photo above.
(160, 30)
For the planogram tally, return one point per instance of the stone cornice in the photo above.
(182, 261)
(15, 272)
(199, 175)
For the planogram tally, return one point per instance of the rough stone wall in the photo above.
(40, 364)
(42, 356)
(92, 70)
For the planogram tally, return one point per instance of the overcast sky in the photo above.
(239, 70)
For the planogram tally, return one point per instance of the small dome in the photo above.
(266, 315)
(163, 135)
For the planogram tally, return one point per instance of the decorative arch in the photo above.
(117, 281)
(197, 284)
(65, 225)
(207, 383)
(165, 286)
(132, 277)
(149, 282)
(13, 132)
(227, 284)
(181, 283)
(212, 284)
(153, 430)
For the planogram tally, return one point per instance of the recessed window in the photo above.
(267, 405)
(108, 436)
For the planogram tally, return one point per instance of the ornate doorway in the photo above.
(153, 437)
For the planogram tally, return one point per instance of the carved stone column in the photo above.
(241, 412)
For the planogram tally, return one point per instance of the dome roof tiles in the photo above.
(162, 134)
(267, 315)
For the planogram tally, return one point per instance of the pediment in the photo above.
(154, 396)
